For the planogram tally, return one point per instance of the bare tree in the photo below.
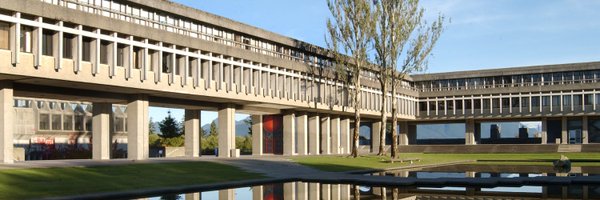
(351, 29)
(400, 25)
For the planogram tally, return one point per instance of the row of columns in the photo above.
(305, 134)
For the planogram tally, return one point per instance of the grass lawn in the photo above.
(36, 183)
(344, 163)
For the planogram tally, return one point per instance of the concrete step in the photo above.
(569, 148)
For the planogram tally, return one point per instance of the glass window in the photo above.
(119, 124)
(422, 106)
(47, 43)
(535, 101)
(68, 46)
(555, 101)
(468, 103)
(56, 122)
(21, 103)
(525, 102)
(567, 100)
(68, 123)
(4, 35)
(79, 122)
(26, 39)
(515, 102)
(577, 100)
(44, 122)
(588, 100)
(546, 101)
(86, 51)
(121, 54)
(88, 124)
(486, 103)
(104, 52)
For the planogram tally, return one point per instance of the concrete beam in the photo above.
(313, 135)
(289, 134)
(302, 131)
(226, 131)
(325, 135)
(192, 133)
(6, 122)
(101, 131)
(257, 135)
(137, 128)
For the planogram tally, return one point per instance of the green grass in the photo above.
(36, 183)
(344, 163)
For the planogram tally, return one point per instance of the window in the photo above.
(26, 39)
(486, 103)
(119, 124)
(556, 101)
(47, 43)
(104, 52)
(68, 123)
(459, 105)
(546, 101)
(577, 100)
(567, 100)
(166, 63)
(56, 122)
(535, 101)
(21, 103)
(121, 54)
(515, 102)
(88, 124)
(4, 35)
(86, 51)
(422, 106)
(525, 102)
(68, 46)
(44, 122)
(588, 99)
(79, 122)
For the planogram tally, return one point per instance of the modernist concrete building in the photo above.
(135, 54)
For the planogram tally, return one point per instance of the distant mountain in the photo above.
(241, 128)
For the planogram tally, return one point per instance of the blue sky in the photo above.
(481, 34)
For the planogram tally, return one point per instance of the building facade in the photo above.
(135, 54)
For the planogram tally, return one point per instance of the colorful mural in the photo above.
(273, 134)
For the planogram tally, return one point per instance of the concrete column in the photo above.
(335, 192)
(137, 128)
(470, 132)
(257, 135)
(15, 40)
(345, 136)
(289, 191)
(192, 133)
(228, 194)
(226, 131)
(101, 131)
(193, 196)
(375, 127)
(313, 189)
(403, 136)
(565, 131)
(313, 135)
(6, 122)
(335, 135)
(257, 191)
(544, 130)
(345, 192)
(289, 134)
(302, 192)
(584, 130)
(325, 135)
(302, 128)
(325, 192)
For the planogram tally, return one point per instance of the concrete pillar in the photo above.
(470, 132)
(226, 131)
(403, 136)
(192, 133)
(193, 196)
(325, 135)
(302, 192)
(313, 189)
(335, 192)
(289, 134)
(345, 136)
(137, 128)
(228, 194)
(289, 191)
(302, 128)
(6, 122)
(565, 131)
(257, 135)
(313, 135)
(584, 130)
(375, 128)
(345, 192)
(544, 130)
(101, 131)
(257, 191)
(325, 192)
(335, 135)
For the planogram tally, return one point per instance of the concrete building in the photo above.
(158, 53)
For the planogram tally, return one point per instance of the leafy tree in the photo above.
(154, 140)
(213, 128)
(248, 122)
(178, 141)
(399, 26)
(169, 127)
(351, 28)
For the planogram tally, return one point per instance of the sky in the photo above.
(478, 34)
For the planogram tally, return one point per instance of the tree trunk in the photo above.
(383, 128)
(394, 120)
(356, 114)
